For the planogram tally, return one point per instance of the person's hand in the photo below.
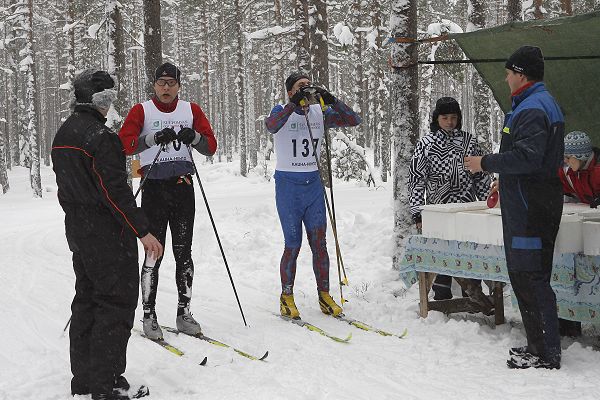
(595, 202)
(152, 246)
(165, 136)
(186, 135)
(327, 97)
(297, 97)
(494, 187)
(473, 164)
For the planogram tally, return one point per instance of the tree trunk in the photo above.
(514, 10)
(152, 41)
(116, 59)
(240, 91)
(481, 93)
(403, 24)
(319, 43)
(32, 103)
(302, 38)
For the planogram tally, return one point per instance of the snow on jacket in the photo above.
(584, 183)
(134, 124)
(437, 173)
(89, 163)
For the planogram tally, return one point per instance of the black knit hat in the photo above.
(529, 61)
(89, 82)
(167, 70)
(293, 78)
(445, 105)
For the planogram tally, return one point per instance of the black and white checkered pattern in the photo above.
(437, 173)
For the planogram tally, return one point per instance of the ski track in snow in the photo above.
(458, 357)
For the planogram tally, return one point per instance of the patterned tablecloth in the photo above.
(575, 277)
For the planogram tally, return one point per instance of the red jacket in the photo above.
(132, 127)
(584, 183)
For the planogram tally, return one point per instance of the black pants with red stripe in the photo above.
(105, 261)
(170, 202)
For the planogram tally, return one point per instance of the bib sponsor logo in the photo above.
(301, 126)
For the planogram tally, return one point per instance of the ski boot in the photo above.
(187, 324)
(151, 328)
(328, 305)
(287, 306)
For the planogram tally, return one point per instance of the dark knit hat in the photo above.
(578, 145)
(167, 70)
(529, 61)
(293, 78)
(89, 82)
(445, 105)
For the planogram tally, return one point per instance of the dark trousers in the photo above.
(299, 199)
(105, 262)
(170, 202)
(530, 222)
(537, 303)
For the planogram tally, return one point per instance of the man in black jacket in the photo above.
(102, 221)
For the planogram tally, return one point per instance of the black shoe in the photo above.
(528, 360)
(442, 293)
(120, 394)
(569, 328)
(518, 351)
(120, 384)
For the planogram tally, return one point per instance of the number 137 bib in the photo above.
(293, 146)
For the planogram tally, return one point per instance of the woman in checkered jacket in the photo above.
(437, 174)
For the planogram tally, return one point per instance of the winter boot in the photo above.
(151, 328)
(473, 289)
(518, 351)
(122, 394)
(442, 287)
(120, 384)
(187, 324)
(287, 306)
(328, 306)
(528, 360)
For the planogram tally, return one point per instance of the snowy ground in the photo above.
(461, 357)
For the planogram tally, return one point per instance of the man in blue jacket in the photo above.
(531, 151)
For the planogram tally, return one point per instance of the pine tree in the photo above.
(403, 20)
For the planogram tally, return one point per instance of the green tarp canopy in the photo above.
(575, 83)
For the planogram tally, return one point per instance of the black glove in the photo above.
(186, 135)
(297, 97)
(165, 136)
(595, 202)
(327, 97)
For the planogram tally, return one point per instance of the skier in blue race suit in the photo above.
(298, 189)
(531, 197)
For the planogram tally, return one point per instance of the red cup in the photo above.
(492, 200)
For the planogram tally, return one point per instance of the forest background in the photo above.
(234, 56)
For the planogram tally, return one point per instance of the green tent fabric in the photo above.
(574, 83)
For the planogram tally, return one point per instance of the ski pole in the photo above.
(212, 221)
(162, 148)
(306, 109)
(334, 223)
(330, 176)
